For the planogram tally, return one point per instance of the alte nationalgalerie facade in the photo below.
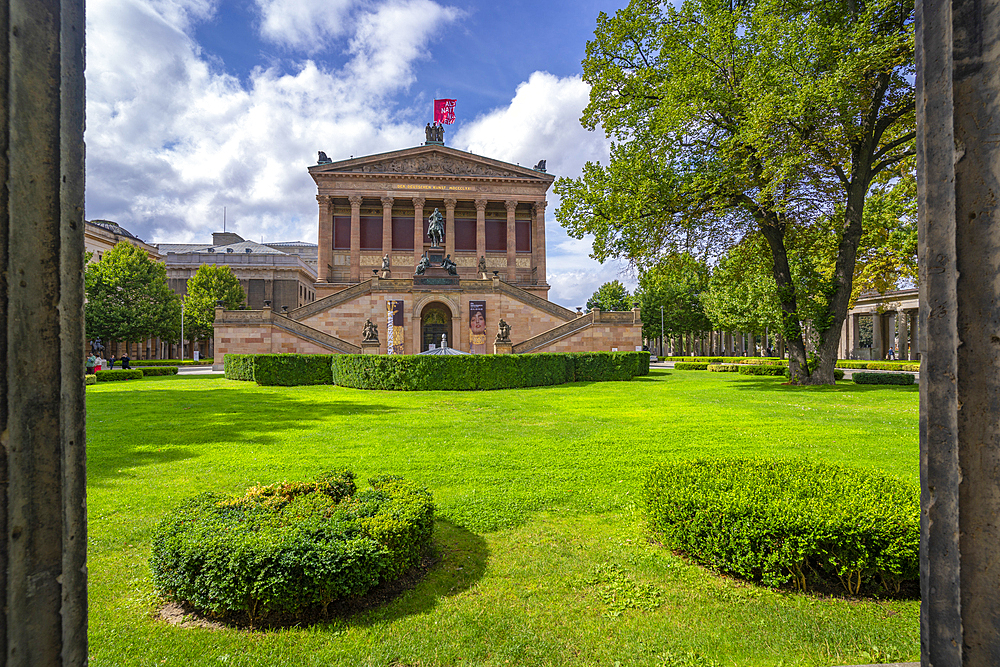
(373, 223)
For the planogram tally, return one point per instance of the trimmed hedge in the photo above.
(421, 372)
(89, 379)
(862, 377)
(763, 361)
(157, 370)
(753, 369)
(690, 366)
(117, 374)
(290, 549)
(780, 521)
(838, 374)
(411, 372)
(724, 368)
(238, 367)
(290, 370)
(913, 366)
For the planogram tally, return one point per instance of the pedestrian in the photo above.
(125, 361)
(111, 363)
(91, 363)
(892, 354)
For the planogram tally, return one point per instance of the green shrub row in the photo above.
(89, 379)
(721, 360)
(913, 366)
(690, 365)
(764, 361)
(289, 370)
(157, 370)
(118, 374)
(838, 374)
(290, 548)
(753, 369)
(724, 368)
(862, 377)
(426, 372)
(779, 521)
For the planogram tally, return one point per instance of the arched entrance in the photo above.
(435, 319)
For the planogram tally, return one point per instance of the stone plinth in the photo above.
(373, 347)
(435, 276)
(503, 348)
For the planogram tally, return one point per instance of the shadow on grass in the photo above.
(128, 429)
(756, 383)
(457, 562)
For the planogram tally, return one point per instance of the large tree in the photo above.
(671, 293)
(732, 118)
(210, 284)
(128, 298)
(610, 296)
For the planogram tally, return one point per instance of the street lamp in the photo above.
(182, 326)
(661, 331)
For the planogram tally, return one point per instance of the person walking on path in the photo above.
(91, 364)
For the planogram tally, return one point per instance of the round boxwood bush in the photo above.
(290, 549)
(815, 525)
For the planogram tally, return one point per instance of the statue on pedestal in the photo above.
(503, 335)
(424, 263)
(482, 267)
(370, 333)
(451, 267)
(435, 228)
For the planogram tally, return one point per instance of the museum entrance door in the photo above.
(435, 319)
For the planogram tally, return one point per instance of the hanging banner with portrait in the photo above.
(394, 328)
(477, 327)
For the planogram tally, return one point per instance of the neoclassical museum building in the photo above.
(485, 261)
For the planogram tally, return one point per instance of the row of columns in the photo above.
(884, 334)
(717, 343)
(326, 205)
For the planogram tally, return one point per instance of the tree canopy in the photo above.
(610, 296)
(763, 117)
(677, 283)
(128, 298)
(211, 283)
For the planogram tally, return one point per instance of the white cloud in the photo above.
(303, 25)
(170, 142)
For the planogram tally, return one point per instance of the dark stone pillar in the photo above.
(43, 539)
(958, 162)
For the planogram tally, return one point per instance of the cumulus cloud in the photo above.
(171, 141)
(542, 122)
(303, 25)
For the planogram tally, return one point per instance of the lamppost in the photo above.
(182, 326)
(661, 329)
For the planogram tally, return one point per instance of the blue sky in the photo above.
(196, 105)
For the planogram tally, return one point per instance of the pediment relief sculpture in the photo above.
(434, 164)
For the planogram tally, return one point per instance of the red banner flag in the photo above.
(444, 111)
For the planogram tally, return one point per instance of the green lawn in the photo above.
(541, 548)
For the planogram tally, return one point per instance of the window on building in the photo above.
(465, 234)
(496, 235)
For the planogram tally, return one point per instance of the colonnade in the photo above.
(421, 208)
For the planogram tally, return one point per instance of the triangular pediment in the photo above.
(431, 160)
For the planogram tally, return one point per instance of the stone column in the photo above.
(387, 227)
(842, 350)
(914, 335)
(958, 176)
(449, 226)
(855, 336)
(890, 331)
(43, 520)
(418, 229)
(511, 242)
(538, 241)
(355, 237)
(324, 267)
(904, 334)
(480, 227)
(878, 337)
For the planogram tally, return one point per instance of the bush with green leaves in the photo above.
(117, 375)
(413, 372)
(89, 379)
(862, 377)
(751, 369)
(291, 548)
(691, 366)
(764, 361)
(291, 370)
(724, 368)
(790, 520)
(608, 366)
(838, 373)
(148, 371)
(238, 367)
